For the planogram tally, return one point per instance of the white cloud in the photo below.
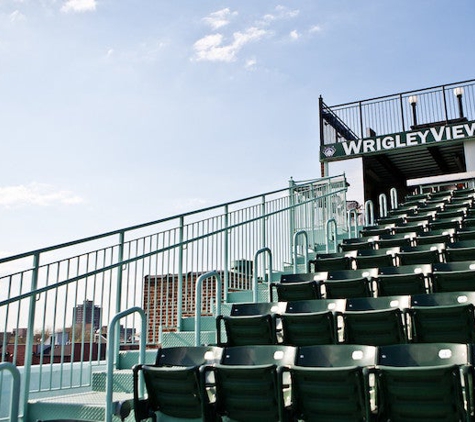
(36, 194)
(211, 48)
(17, 16)
(79, 6)
(294, 34)
(220, 18)
(250, 64)
(315, 28)
(281, 12)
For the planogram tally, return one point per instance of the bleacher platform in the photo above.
(383, 330)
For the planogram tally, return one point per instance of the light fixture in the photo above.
(458, 92)
(413, 103)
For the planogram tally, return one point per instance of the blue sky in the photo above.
(117, 112)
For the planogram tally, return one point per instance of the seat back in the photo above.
(400, 284)
(172, 384)
(248, 387)
(431, 324)
(305, 290)
(422, 382)
(328, 383)
(454, 276)
(247, 330)
(374, 327)
(460, 251)
(309, 328)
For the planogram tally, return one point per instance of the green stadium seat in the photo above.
(249, 385)
(172, 383)
(395, 240)
(306, 329)
(355, 244)
(422, 254)
(374, 327)
(435, 236)
(350, 283)
(403, 280)
(453, 276)
(374, 303)
(329, 384)
(330, 261)
(320, 305)
(372, 258)
(463, 250)
(305, 290)
(452, 323)
(422, 382)
(443, 298)
(247, 330)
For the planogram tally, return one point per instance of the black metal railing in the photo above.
(396, 113)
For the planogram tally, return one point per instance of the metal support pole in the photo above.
(255, 296)
(296, 236)
(198, 301)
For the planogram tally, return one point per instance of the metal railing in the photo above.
(56, 301)
(397, 113)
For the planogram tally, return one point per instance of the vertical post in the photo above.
(15, 393)
(30, 334)
(402, 114)
(296, 236)
(360, 109)
(199, 282)
(179, 299)
(291, 212)
(445, 104)
(335, 241)
(263, 230)
(323, 167)
(255, 296)
(383, 205)
(394, 201)
(118, 299)
(226, 252)
(369, 213)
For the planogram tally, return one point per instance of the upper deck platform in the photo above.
(403, 136)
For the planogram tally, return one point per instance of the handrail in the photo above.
(151, 223)
(394, 201)
(111, 354)
(383, 205)
(353, 212)
(255, 298)
(369, 213)
(327, 234)
(15, 395)
(198, 301)
(296, 236)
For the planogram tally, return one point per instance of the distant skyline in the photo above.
(114, 113)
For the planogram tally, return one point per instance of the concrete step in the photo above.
(82, 406)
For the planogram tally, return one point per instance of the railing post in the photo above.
(198, 301)
(226, 253)
(353, 212)
(179, 295)
(296, 235)
(112, 355)
(255, 296)
(291, 212)
(30, 334)
(360, 109)
(118, 299)
(327, 230)
(15, 393)
(369, 213)
(383, 205)
(394, 200)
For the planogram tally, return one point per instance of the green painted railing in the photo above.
(56, 302)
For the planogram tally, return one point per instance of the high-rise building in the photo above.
(88, 314)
